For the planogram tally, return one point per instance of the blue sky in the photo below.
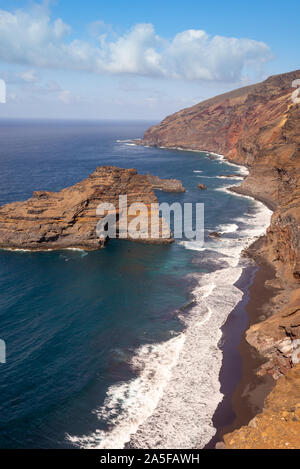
(124, 60)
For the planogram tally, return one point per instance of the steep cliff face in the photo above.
(68, 219)
(258, 126)
(278, 427)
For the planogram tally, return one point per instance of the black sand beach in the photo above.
(244, 391)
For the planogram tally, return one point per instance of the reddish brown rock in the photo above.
(214, 235)
(278, 426)
(202, 187)
(166, 185)
(68, 219)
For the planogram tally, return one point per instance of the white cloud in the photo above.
(29, 76)
(20, 78)
(32, 38)
(60, 29)
(134, 53)
(67, 97)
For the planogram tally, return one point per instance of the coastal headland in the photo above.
(68, 219)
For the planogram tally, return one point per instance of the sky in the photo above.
(96, 59)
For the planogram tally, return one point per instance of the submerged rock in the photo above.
(214, 234)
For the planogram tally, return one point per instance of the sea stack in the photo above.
(166, 185)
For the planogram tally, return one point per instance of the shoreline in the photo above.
(260, 127)
(244, 396)
(244, 391)
(244, 400)
(238, 286)
(237, 283)
(243, 192)
(203, 331)
(249, 396)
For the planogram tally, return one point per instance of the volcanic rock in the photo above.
(214, 234)
(278, 426)
(166, 185)
(68, 219)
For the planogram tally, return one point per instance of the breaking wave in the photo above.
(129, 404)
(171, 402)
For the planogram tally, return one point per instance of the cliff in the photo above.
(278, 427)
(68, 219)
(258, 126)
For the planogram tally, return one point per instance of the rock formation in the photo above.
(68, 219)
(278, 426)
(202, 187)
(258, 126)
(166, 185)
(215, 235)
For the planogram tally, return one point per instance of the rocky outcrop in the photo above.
(166, 185)
(214, 235)
(258, 126)
(278, 426)
(202, 187)
(277, 338)
(68, 219)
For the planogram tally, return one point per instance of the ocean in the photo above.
(121, 347)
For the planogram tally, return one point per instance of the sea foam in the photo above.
(131, 403)
(183, 416)
(172, 401)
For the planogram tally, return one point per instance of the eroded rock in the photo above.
(278, 426)
(68, 219)
(166, 185)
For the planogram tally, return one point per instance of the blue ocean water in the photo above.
(73, 321)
